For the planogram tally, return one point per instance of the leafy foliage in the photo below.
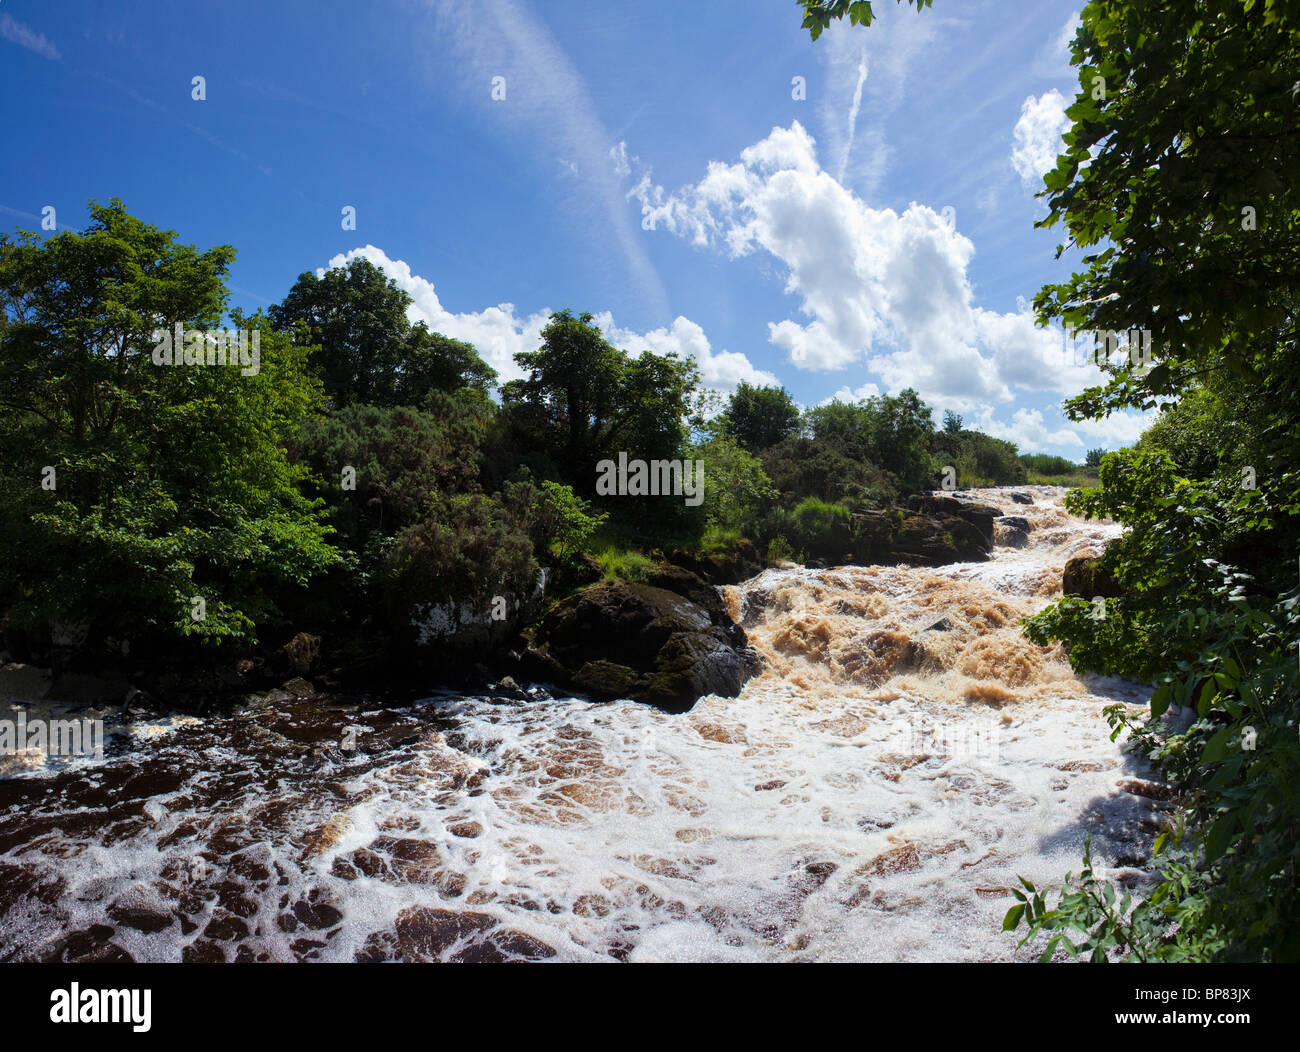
(364, 346)
(738, 490)
(1182, 160)
(760, 417)
(818, 14)
(169, 482)
(584, 400)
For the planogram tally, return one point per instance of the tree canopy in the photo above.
(364, 345)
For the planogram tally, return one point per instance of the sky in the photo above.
(846, 217)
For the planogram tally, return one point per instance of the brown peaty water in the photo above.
(872, 795)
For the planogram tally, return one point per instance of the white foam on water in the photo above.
(873, 795)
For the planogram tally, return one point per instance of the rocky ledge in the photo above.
(667, 642)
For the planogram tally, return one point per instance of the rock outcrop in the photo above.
(1085, 577)
(667, 644)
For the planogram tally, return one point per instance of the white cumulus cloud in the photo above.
(874, 286)
(501, 332)
(1036, 139)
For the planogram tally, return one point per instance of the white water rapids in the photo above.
(872, 795)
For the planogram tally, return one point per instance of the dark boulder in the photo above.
(737, 563)
(1020, 498)
(1085, 577)
(936, 540)
(622, 640)
(979, 515)
(681, 581)
(1012, 536)
(300, 656)
(1018, 522)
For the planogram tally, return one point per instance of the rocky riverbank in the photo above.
(666, 640)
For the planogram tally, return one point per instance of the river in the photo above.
(873, 795)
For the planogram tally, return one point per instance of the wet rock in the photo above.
(1020, 498)
(688, 585)
(425, 934)
(226, 928)
(738, 563)
(92, 945)
(1018, 522)
(505, 947)
(299, 656)
(506, 687)
(203, 951)
(140, 917)
(637, 641)
(1085, 577)
(937, 540)
(942, 625)
(1011, 537)
(901, 859)
(299, 687)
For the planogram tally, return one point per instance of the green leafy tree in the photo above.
(738, 490)
(1179, 176)
(760, 417)
(584, 400)
(818, 14)
(135, 488)
(365, 347)
(568, 521)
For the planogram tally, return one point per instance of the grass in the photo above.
(623, 564)
(718, 541)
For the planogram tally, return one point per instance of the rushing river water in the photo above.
(873, 795)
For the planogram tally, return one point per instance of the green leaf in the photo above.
(1216, 746)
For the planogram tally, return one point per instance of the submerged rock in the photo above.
(618, 639)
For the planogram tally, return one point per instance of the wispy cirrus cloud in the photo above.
(17, 33)
(547, 104)
(866, 70)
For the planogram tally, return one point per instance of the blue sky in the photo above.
(648, 163)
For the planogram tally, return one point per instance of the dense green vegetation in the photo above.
(177, 505)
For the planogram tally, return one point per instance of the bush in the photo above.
(621, 564)
(815, 527)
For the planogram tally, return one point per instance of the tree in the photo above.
(365, 347)
(585, 400)
(136, 489)
(760, 417)
(1093, 458)
(951, 423)
(818, 14)
(1185, 168)
(738, 489)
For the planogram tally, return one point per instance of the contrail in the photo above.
(853, 113)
